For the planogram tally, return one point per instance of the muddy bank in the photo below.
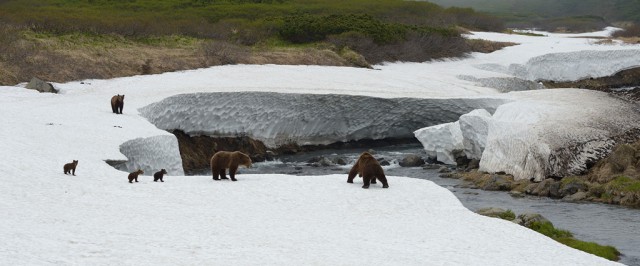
(628, 78)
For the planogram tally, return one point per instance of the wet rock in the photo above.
(383, 162)
(491, 212)
(444, 169)
(540, 189)
(516, 194)
(554, 190)
(319, 161)
(578, 196)
(411, 160)
(497, 183)
(527, 219)
(572, 187)
(340, 161)
(41, 86)
(630, 200)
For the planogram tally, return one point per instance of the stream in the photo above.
(604, 224)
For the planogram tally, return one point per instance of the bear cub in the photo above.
(134, 175)
(228, 160)
(70, 168)
(369, 169)
(158, 175)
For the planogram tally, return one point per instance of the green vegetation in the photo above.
(573, 15)
(507, 215)
(541, 225)
(96, 38)
(565, 237)
(624, 184)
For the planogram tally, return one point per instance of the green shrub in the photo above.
(566, 238)
(607, 252)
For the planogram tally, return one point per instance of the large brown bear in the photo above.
(231, 160)
(369, 169)
(117, 103)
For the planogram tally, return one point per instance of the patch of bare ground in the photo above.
(485, 46)
(306, 56)
(60, 60)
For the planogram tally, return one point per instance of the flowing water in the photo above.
(604, 224)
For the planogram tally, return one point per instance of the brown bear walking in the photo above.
(231, 160)
(117, 103)
(134, 175)
(158, 175)
(369, 169)
(70, 168)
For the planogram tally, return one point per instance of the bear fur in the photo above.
(228, 160)
(117, 103)
(70, 168)
(134, 175)
(158, 175)
(369, 169)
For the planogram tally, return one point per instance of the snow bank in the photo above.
(571, 66)
(152, 154)
(440, 140)
(278, 119)
(541, 133)
(474, 128)
(469, 133)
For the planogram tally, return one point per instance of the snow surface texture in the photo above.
(544, 133)
(152, 154)
(98, 218)
(278, 118)
(571, 66)
(505, 84)
(555, 132)
(440, 140)
(474, 128)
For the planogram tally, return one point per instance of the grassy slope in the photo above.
(61, 40)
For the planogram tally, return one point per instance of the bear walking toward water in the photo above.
(158, 175)
(228, 160)
(369, 169)
(134, 175)
(70, 168)
(117, 103)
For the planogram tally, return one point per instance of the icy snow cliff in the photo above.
(542, 133)
(305, 119)
(570, 66)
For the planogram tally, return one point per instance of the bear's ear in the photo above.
(123, 96)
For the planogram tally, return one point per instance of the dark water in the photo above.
(605, 224)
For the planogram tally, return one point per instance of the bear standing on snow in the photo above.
(369, 169)
(231, 160)
(70, 168)
(117, 103)
(158, 175)
(134, 175)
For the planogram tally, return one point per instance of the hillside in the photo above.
(572, 13)
(104, 39)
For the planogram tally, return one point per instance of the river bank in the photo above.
(607, 224)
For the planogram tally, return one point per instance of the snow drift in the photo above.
(305, 119)
(570, 66)
(152, 154)
(543, 133)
